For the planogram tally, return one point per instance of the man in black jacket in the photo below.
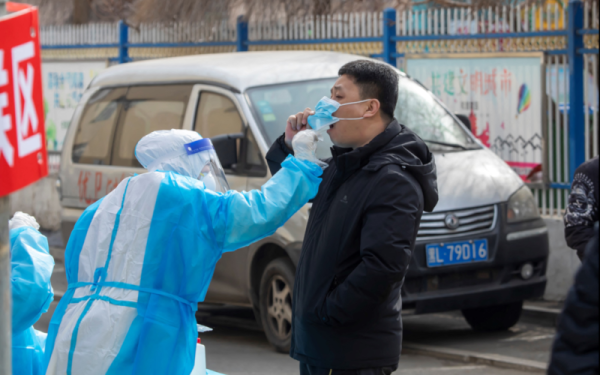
(361, 231)
(576, 348)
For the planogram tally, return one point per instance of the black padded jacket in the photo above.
(359, 240)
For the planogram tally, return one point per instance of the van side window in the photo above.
(147, 109)
(93, 139)
(216, 115)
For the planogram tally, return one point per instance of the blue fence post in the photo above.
(123, 41)
(389, 32)
(242, 34)
(576, 99)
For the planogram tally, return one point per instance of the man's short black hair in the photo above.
(375, 81)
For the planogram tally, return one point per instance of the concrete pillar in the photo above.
(5, 298)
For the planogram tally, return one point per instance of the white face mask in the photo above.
(209, 182)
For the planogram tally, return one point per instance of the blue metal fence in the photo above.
(564, 35)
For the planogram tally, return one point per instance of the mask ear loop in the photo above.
(357, 118)
(360, 101)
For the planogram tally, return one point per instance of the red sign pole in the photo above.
(23, 157)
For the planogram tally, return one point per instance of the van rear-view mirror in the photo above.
(226, 148)
(465, 120)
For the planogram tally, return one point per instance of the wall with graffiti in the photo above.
(64, 84)
(501, 96)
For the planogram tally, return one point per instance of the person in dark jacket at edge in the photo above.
(361, 231)
(582, 208)
(576, 349)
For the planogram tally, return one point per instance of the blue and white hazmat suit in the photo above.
(139, 260)
(31, 268)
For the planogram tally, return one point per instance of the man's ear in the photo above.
(373, 108)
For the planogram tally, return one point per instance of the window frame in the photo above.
(242, 168)
(119, 120)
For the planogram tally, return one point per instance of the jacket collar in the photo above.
(347, 160)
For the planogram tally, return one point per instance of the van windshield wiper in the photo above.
(455, 145)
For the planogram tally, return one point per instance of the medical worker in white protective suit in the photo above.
(139, 260)
(31, 267)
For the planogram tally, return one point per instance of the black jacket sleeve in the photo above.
(388, 234)
(277, 154)
(575, 350)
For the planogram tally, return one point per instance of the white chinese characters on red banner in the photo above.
(23, 158)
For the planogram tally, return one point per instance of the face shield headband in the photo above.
(211, 174)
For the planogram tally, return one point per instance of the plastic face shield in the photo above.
(212, 174)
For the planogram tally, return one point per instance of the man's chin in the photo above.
(333, 136)
(339, 144)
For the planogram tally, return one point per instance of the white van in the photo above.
(242, 101)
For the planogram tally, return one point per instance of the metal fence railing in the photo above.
(568, 37)
(182, 32)
(53, 162)
(93, 34)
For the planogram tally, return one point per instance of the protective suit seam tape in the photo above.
(105, 298)
(114, 235)
(74, 337)
(114, 284)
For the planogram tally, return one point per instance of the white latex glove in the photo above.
(21, 219)
(305, 146)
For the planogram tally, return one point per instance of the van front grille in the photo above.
(459, 222)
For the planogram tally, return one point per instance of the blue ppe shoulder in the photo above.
(76, 241)
(31, 269)
(74, 246)
(28, 352)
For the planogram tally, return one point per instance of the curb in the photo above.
(541, 315)
(473, 357)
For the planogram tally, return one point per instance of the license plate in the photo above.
(446, 254)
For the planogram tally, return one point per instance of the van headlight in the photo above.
(522, 206)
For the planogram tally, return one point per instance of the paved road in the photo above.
(237, 346)
(526, 340)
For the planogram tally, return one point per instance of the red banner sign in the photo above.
(23, 157)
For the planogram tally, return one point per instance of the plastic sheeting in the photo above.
(141, 259)
(31, 269)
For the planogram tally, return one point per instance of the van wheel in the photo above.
(494, 318)
(276, 286)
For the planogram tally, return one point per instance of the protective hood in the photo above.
(165, 150)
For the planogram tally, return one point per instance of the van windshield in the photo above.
(417, 108)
